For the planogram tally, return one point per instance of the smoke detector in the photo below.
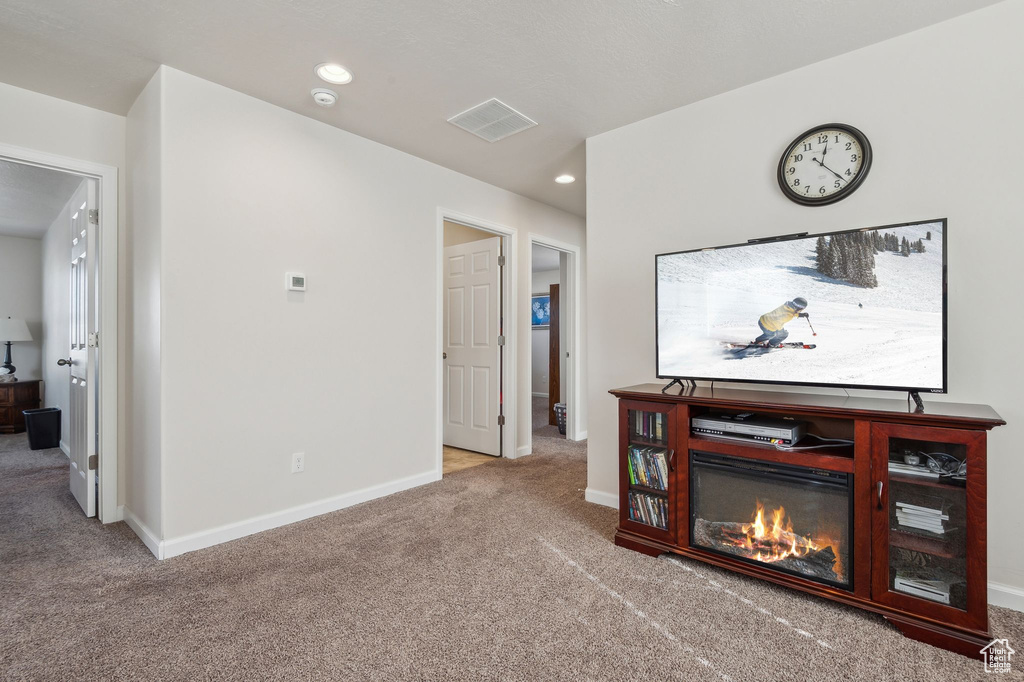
(492, 121)
(325, 97)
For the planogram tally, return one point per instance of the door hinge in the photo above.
(501, 261)
(501, 340)
(94, 340)
(94, 216)
(94, 462)
(501, 420)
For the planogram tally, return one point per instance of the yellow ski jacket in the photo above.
(777, 319)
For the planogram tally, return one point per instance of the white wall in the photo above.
(144, 481)
(345, 372)
(563, 328)
(539, 338)
(21, 296)
(43, 123)
(56, 275)
(941, 107)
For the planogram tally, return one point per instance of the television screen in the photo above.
(858, 309)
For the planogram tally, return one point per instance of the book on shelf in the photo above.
(937, 529)
(935, 590)
(920, 517)
(939, 511)
(649, 509)
(648, 467)
(649, 425)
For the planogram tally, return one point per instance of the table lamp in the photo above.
(11, 330)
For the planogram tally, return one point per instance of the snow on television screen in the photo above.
(861, 308)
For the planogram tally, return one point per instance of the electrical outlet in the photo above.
(298, 462)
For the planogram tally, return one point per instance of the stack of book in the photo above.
(648, 467)
(649, 425)
(649, 509)
(935, 590)
(917, 517)
(912, 470)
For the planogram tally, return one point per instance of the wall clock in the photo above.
(825, 164)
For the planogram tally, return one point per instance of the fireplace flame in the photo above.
(778, 542)
(769, 538)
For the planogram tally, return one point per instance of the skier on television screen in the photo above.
(773, 323)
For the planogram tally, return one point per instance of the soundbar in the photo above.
(748, 426)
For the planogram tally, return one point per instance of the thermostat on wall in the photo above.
(296, 281)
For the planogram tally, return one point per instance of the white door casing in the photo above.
(106, 295)
(571, 322)
(83, 391)
(472, 368)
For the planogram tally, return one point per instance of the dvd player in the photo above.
(749, 426)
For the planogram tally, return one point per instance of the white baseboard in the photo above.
(523, 451)
(65, 449)
(602, 498)
(147, 536)
(240, 529)
(582, 435)
(1006, 596)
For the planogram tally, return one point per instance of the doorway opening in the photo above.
(547, 340)
(555, 370)
(60, 216)
(475, 357)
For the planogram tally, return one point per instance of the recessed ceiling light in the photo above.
(565, 179)
(333, 73)
(324, 97)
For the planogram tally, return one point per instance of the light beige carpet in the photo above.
(498, 572)
(541, 427)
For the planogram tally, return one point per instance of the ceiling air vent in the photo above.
(493, 120)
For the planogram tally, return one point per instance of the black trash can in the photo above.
(43, 427)
(560, 417)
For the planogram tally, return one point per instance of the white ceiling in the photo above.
(31, 198)
(578, 67)
(544, 258)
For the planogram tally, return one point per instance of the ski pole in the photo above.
(813, 333)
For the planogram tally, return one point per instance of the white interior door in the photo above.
(472, 366)
(81, 358)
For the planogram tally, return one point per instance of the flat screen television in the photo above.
(862, 308)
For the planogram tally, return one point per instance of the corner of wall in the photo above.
(144, 480)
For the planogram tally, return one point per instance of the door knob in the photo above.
(444, 356)
(63, 362)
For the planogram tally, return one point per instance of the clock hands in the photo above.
(820, 163)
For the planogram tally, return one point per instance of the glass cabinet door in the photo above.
(929, 546)
(647, 463)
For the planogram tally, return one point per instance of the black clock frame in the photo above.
(851, 186)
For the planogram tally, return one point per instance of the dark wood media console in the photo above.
(888, 514)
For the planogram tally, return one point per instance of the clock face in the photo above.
(824, 165)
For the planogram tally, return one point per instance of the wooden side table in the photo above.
(15, 397)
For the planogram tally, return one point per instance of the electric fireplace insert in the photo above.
(791, 519)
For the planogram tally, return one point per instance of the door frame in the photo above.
(509, 286)
(570, 317)
(107, 508)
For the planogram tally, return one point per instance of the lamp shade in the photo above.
(13, 330)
